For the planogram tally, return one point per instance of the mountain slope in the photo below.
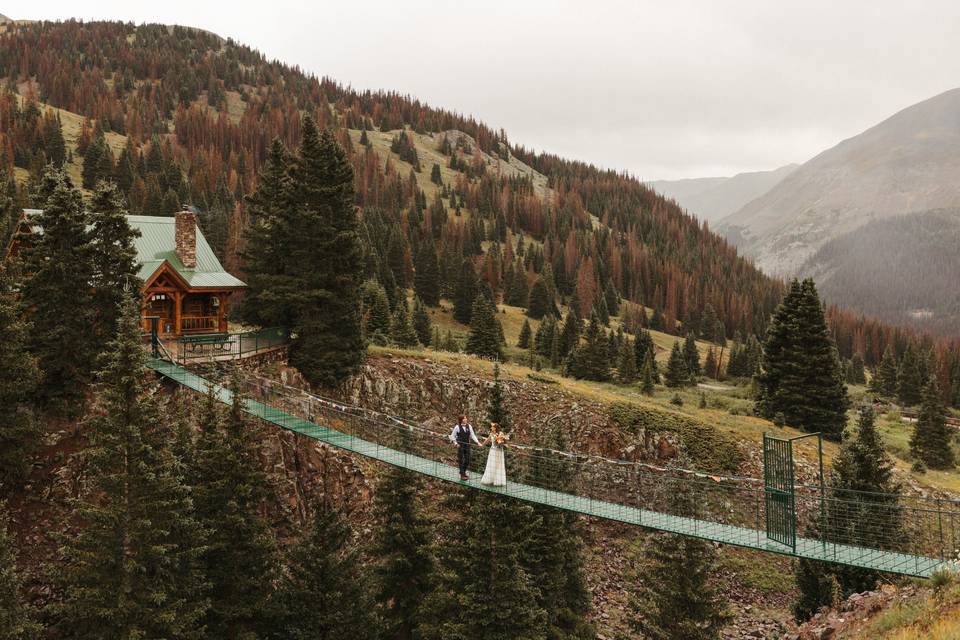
(907, 163)
(902, 269)
(712, 199)
(196, 114)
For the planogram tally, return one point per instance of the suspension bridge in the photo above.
(907, 535)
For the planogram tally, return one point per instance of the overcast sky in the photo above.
(661, 89)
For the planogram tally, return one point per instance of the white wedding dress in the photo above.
(495, 474)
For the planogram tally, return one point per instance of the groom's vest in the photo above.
(463, 434)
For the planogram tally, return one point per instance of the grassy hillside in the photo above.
(71, 124)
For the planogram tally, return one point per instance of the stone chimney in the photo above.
(185, 235)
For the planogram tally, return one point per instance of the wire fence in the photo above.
(911, 535)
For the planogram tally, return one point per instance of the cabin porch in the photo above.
(186, 312)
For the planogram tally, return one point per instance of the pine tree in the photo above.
(54, 146)
(691, 356)
(590, 360)
(931, 437)
(402, 331)
(405, 572)
(570, 334)
(15, 619)
(484, 339)
(600, 308)
(229, 489)
(271, 286)
(421, 322)
(426, 280)
(885, 382)
(862, 505)
(378, 311)
(134, 569)
(435, 176)
(19, 376)
(815, 587)
(114, 257)
(677, 598)
(492, 564)
(323, 594)
(517, 294)
(647, 378)
(523, 341)
(677, 374)
(611, 298)
(857, 374)
(708, 323)
(736, 361)
(555, 348)
(553, 553)
(540, 302)
(753, 355)
(466, 292)
(544, 335)
(125, 173)
(627, 365)
(326, 258)
(8, 206)
(497, 410)
(910, 378)
(861, 509)
(644, 349)
(93, 163)
(59, 299)
(710, 364)
(658, 322)
(802, 377)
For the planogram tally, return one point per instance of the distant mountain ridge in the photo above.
(909, 162)
(712, 199)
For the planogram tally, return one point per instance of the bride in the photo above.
(495, 474)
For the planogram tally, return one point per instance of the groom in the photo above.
(461, 436)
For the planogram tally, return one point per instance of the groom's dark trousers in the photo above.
(463, 456)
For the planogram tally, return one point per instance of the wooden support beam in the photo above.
(221, 312)
(144, 304)
(177, 300)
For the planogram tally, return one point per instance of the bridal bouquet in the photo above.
(501, 438)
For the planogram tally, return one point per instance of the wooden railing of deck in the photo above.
(199, 323)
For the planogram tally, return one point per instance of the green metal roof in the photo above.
(156, 245)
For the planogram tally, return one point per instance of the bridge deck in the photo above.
(906, 564)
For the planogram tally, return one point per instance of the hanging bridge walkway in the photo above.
(911, 536)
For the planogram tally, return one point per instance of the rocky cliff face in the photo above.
(435, 393)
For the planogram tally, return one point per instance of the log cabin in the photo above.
(184, 284)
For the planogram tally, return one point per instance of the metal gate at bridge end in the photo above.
(779, 492)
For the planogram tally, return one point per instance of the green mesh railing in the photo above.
(908, 535)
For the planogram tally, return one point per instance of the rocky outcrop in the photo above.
(853, 612)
